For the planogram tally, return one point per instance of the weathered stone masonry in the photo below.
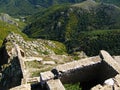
(99, 68)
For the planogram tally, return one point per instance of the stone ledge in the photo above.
(109, 60)
(55, 85)
(45, 76)
(78, 64)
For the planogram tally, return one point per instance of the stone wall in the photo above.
(106, 72)
(11, 75)
(90, 71)
(13, 67)
(20, 55)
(110, 73)
(77, 71)
(97, 68)
(86, 71)
(106, 57)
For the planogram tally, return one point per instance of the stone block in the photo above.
(45, 76)
(109, 60)
(55, 85)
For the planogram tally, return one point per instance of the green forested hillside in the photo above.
(67, 24)
(16, 7)
(59, 21)
(116, 2)
(28, 7)
(92, 42)
(6, 28)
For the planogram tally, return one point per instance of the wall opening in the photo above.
(22, 53)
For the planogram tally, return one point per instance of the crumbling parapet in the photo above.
(102, 67)
(81, 70)
(85, 70)
(70, 72)
(109, 60)
(113, 83)
(21, 61)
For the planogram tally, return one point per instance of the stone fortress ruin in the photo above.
(100, 72)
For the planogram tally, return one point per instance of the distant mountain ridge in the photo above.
(28, 7)
(116, 2)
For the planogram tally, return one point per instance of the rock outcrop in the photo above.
(6, 18)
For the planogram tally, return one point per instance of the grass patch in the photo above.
(75, 86)
(6, 28)
(33, 64)
(37, 72)
(59, 48)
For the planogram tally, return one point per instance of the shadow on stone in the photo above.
(38, 86)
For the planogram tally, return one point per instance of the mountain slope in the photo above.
(7, 25)
(76, 18)
(15, 7)
(27, 7)
(66, 23)
(116, 2)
